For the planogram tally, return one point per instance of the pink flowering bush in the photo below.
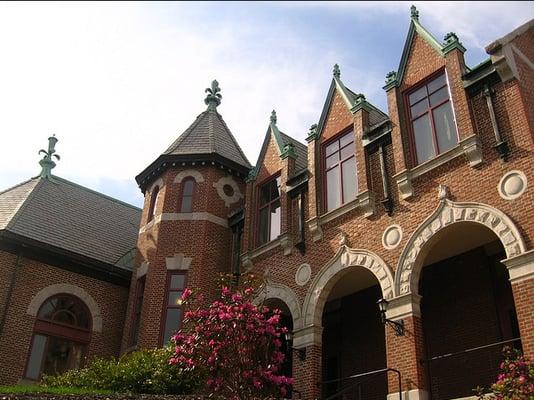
(234, 344)
(516, 377)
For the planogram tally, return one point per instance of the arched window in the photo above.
(153, 201)
(188, 188)
(60, 336)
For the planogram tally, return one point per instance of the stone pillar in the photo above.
(521, 270)
(308, 372)
(405, 353)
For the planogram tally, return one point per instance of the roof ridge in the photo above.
(113, 199)
(233, 139)
(25, 202)
(17, 185)
(185, 133)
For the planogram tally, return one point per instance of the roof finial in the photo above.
(213, 99)
(273, 117)
(336, 71)
(47, 163)
(414, 13)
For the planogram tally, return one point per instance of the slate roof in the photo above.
(209, 134)
(300, 149)
(71, 217)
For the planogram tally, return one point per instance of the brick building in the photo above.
(398, 244)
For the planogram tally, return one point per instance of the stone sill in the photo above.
(470, 147)
(264, 248)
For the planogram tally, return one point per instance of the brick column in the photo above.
(404, 353)
(308, 372)
(361, 125)
(521, 270)
(396, 135)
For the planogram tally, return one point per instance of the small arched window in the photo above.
(188, 189)
(153, 201)
(61, 334)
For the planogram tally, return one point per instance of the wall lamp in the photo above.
(301, 352)
(398, 326)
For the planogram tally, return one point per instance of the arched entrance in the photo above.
(342, 299)
(61, 334)
(286, 321)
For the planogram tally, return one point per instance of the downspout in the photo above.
(10, 292)
(501, 146)
(387, 202)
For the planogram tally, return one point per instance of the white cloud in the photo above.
(118, 82)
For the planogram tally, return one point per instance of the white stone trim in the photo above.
(142, 270)
(189, 173)
(178, 262)
(228, 200)
(391, 228)
(448, 213)
(264, 248)
(414, 394)
(286, 243)
(65, 288)
(158, 183)
(303, 274)
(307, 336)
(193, 216)
(330, 274)
(501, 187)
(401, 307)
(469, 146)
(285, 294)
(521, 267)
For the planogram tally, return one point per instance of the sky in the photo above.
(118, 82)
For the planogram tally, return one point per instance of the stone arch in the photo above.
(193, 173)
(65, 288)
(158, 183)
(285, 294)
(330, 274)
(448, 213)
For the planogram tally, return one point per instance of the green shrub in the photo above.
(142, 371)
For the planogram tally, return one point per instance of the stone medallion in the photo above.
(391, 237)
(512, 185)
(303, 274)
(228, 190)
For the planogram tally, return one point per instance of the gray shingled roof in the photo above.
(300, 149)
(207, 135)
(63, 214)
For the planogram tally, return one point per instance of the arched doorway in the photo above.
(467, 309)
(60, 337)
(353, 338)
(286, 321)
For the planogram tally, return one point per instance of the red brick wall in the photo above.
(34, 276)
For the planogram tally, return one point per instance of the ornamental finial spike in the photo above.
(414, 13)
(213, 99)
(336, 72)
(47, 163)
(273, 117)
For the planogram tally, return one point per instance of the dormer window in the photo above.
(269, 211)
(431, 119)
(153, 201)
(341, 183)
(188, 187)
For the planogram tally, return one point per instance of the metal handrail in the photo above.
(386, 370)
(469, 350)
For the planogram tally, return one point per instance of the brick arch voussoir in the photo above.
(448, 213)
(64, 288)
(287, 295)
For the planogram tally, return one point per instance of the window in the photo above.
(153, 201)
(172, 317)
(60, 337)
(269, 211)
(138, 305)
(432, 120)
(188, 187)
(341, 181)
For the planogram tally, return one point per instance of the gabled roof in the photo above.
(281, 140)
(209, 134)
(62, 215)
(451, 42)
(353, 102)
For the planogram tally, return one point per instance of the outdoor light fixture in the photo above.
(398, 326)
(301, 352)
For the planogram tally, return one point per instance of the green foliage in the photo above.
(18, 389)
(142, 371)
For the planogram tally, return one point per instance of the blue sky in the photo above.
(118, 82)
